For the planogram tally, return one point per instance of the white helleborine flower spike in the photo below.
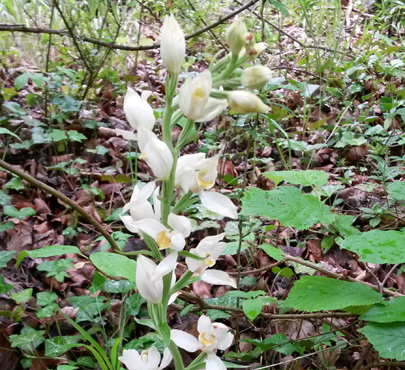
(209, 248)
(244, 102)
(155, 153)
(235, 36)
(138, 111)
(146, 360)
(212, 337)
(255, 77)
(172, 45)
(151, 291)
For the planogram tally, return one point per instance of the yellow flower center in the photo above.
(163, 240)
(207, 341)
(143, 156)
(204, 184)
(199, 92)
(144, 356)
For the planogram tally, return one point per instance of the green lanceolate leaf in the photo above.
(317, 293)
(387, 339)
(48, 251)
(288, 205)
(391, 311)
(305, 178)
(114, 265)
(377, 246)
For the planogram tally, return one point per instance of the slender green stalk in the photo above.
(178, 362)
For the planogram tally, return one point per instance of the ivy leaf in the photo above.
(387, 339)
(288, 205)
(377, 246)
(45, 298)
(57, 346)
(392, 311)
(21, 81)
(396, 190)
(5, 257)
(5, 199)
(23, 296)
(20, 214)
(15, 184)
(28, 340)
(76, 136)
(4, 288)
(305, 178)
(317, 293)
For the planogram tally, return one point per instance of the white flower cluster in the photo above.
(191, 174)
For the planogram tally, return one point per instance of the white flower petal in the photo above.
(192, 263)
(144, 137)
(213, 362)
(131, 359)
(213, 108)
(180, 223)
(140, 195)
(217, 277)
(153, 358)
(223, 335)
(185, 340)
(219, 203)
(159, 158)
(152, 292)
(129, 224)
(187, 166)
(149, 226)
(168, 264)
(127, 135)
(157, 204)
(142, 211)
(177, 242)
(138, 111)
(167, 358)
(204, 325)
(172, 45)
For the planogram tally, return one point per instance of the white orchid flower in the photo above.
(146, 360)
(150, 290)
(212, 337)
(155, 153)
(244, 102)
(209, 248)
(172, 45)
(194, 99)
(139, 113)
(196, 173)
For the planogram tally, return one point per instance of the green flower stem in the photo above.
(218, 94)
(182, 202)
(171, 84)
(184, 137)
(167, 191)
(217, 80)
(178, 362)
(182, 282)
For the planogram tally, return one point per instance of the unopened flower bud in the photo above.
(235, 36)
(255, 77)
(244, 102)
(172, 45)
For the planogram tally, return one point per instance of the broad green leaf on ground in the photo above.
(305, 178)
(343, 224)
(4, 198)
(57, 346)
(23, 296)
(396, 190)
(377, 246)
(288, 205)
(317, 293)
(108, 262)
(11, 211)
(28, 339)
(387, 339)
(273, 252)
(392, 311)
(45, 298)
(48, 251)
(5, 257)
